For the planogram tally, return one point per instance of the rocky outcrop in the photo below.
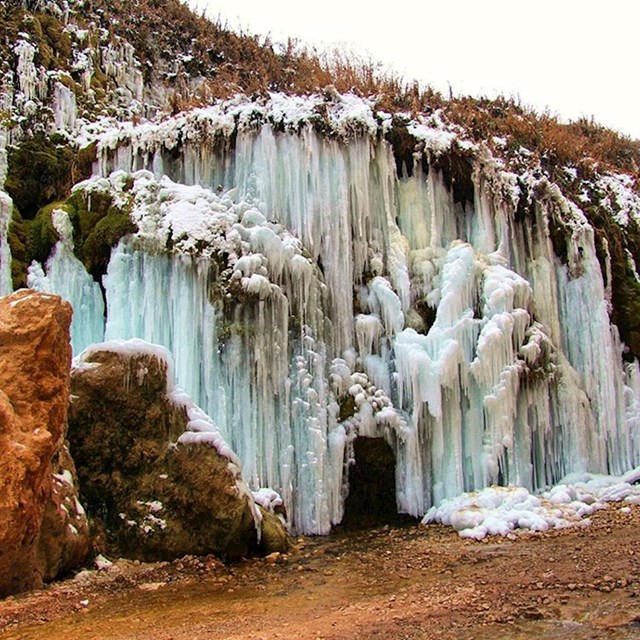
(43, 529)
(154, 471)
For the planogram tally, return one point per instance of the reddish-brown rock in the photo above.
(43, 530)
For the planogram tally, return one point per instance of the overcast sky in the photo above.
(576, 58)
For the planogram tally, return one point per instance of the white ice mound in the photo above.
(500, 510)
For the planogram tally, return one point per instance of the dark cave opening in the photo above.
(372, 486)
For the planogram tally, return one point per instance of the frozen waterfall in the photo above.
(310, 295)
(6, 208)
(67, 277)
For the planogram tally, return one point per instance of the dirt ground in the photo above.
(406, 582)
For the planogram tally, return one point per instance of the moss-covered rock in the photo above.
(273, 535)
(97, 223)
(98, 226)
(95, 250)
(39, 172)
(18, 238)
(153, 497)
(54, 49)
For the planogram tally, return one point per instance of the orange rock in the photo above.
(43, 529)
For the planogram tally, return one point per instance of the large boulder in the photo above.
(154, 471)
(43, 529)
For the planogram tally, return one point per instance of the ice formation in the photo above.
(6, 210)
(6, 207)
(311, 294)
(66, 276)
(501, 510)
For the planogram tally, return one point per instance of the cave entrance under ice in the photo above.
(372, 485)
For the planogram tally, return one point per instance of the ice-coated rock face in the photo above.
(65, 273)
(310, 295)
(6, 208)
(43, 529)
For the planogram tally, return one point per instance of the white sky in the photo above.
(575, 58)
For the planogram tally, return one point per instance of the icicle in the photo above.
(66, 276)
(6, 209)
(64, 108)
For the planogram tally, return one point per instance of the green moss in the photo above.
(32, 240)
(53, 43)
(107, 232)
(231, 329)
(42, 234)
(43, 168)
(66, 80)
(348, 407)
(18, 241)
(98, 225)
(39, 172)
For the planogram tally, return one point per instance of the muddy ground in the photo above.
(403, 582)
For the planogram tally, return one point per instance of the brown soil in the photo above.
(405, 583)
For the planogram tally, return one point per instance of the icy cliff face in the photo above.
(310, 294)
(67, 276)
(6, 208)
(6, 204)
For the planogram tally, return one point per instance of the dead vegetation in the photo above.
(201, 60)
(231, 62)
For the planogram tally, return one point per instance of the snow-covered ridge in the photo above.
(340, 115)
(128, 145)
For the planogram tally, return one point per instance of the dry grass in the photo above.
(163, 32)
(583, 144)
(233, 62)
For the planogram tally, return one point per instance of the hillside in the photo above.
(191, 61)
(342, 265)
(73, 64)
